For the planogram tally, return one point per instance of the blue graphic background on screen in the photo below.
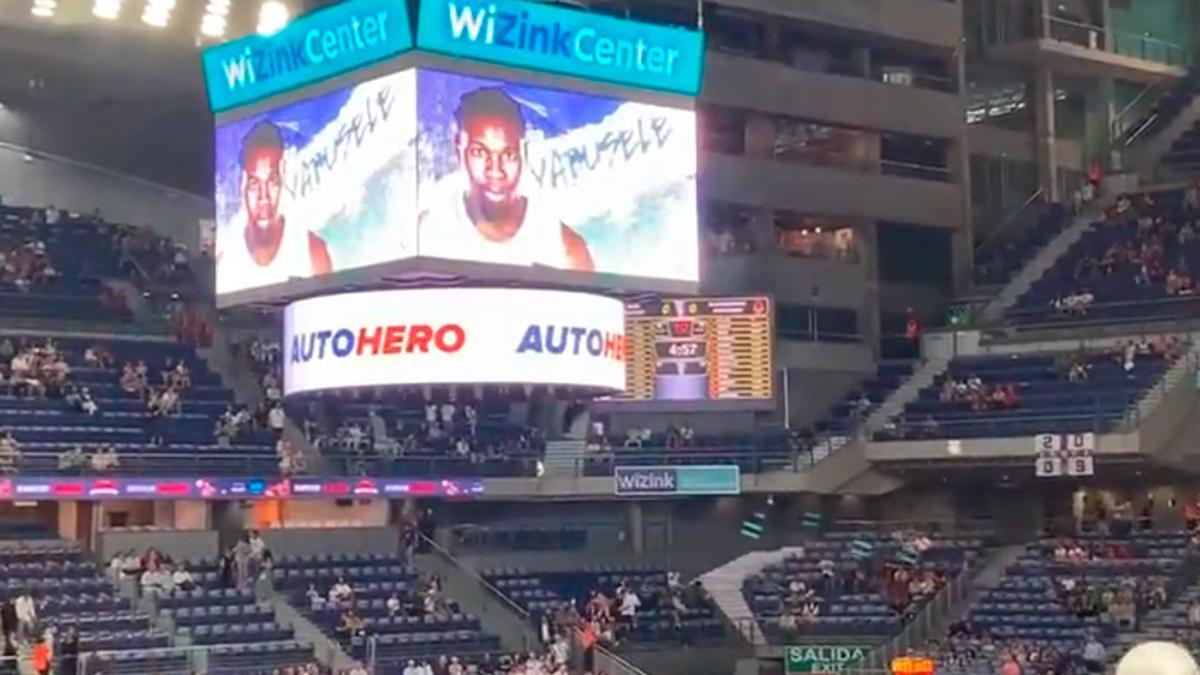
(622, 174)
(349, 173)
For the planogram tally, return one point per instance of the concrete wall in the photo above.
(186, 545)
(932, 22)
(383, 540)
(763, 182)
(776, 88)
(118, 198)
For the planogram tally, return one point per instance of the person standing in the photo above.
(68, 664)
(42, 656)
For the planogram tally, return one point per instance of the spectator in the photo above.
(341, 592)
(352, 625)
(10, 452)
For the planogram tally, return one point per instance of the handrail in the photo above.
(1006, 222)
(1119, 133)
(1101, 31)
(478, 578)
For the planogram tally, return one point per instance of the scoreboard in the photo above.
(699, 349)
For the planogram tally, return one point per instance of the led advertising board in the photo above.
(700, 349)
(433, 165)
(317, 186)
(315, 47)
(454, 336)
(513, 174)
(56, 488)
(667, 481)
(565, 41)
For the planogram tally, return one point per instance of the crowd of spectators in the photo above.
(981, 395)
(155, 573)
(26, 266)
(36, 369)
(1145, 248)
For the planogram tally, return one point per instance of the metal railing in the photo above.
(1137, 46)
(1144, 311)
(487, 589)
(1010, 221)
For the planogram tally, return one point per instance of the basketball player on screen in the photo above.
(272, 250)
(490, 221)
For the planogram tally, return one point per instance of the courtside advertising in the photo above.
(315, 47)
(454, 336)
(520, 175)
(318, 186)
(565, 41)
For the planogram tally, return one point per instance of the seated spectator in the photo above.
(182, 578)
(74, 460)
(10, 452)
(341, 592)
(352, 625)
(105, 460)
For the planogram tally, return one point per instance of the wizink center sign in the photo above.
(315, 47)
(564, 41)
(666, 481)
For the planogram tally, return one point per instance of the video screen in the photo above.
(515, 174)
(317, 186)
(699, 349)
(454, 336)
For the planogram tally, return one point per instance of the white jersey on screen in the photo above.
(446, 231)
(237, 269)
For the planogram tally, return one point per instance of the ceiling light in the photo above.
(212, 30)
(44, 12)
(156, 19)
(272, 17)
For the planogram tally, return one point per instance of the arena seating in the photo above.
(1062, 590)
(69, 590)
(545, 592)
(498, 447)
(762, 450)
(410, 633)
(844, 583)
(69, 247)
(46, 428)
(1047, 398)
(1136, 265)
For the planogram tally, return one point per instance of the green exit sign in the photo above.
(822, 658)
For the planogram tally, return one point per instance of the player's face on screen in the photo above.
(491, 151)
(263, 187)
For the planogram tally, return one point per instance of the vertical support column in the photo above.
(1044, 128)
(1041, 16)
(962, 242)
(868, 259)
(1099, 113)
(637, 528)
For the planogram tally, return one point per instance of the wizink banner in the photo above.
(554, 39)
(318, 186)
(315, 47)
(513, 174)
(454, 336)
(664, 481)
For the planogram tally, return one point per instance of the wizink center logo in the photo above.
(314, 47)
(623, 48)
(644, 481)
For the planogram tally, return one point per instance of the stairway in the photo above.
(564, 458)
(497, 615)
(326, 650)
(1020, 284)
(724, 586)
(1148, 153)
(987, 578)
